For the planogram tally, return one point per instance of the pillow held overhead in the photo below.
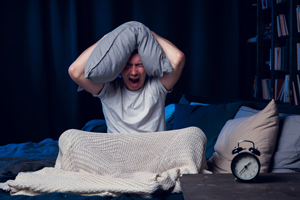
(112, 53)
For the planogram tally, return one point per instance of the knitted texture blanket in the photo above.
(115, 164)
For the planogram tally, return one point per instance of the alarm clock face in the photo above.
(245, 166)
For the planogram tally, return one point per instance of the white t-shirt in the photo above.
(128, 111)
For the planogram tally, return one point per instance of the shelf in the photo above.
(267, 48)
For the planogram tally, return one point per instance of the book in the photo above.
(268, 62)
(266, 89)
(280, 95)
(264, 4)
(286, 30)
(286, 92)
(278, 88)
(278, 27)
(282, 92)
(283, 57)
(294, 94)
(277, 58)
(283, 33)
(255, 86)
(298, 80)
(282, 25)
(298, 56)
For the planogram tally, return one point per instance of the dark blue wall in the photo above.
(41, 38)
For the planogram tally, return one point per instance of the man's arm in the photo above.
(176, 58)
(76, 71)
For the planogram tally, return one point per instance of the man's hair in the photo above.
(135, 51)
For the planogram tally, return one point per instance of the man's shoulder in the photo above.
(111, 88)
(155, 85)
(152, 80)
(118, 82)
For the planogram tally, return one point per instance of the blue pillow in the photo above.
(95, 125)
(169, 112)
(183, 100)
(210, 119)
(197, 103)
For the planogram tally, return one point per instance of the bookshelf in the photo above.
(277, 56)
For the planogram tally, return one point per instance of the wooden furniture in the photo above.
(223, 186)
(269, 39)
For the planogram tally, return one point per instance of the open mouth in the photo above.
(134, 81)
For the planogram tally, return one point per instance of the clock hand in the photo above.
(247, 164)
(245, 167)
(242, 170)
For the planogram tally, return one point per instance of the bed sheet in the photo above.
(25, 157)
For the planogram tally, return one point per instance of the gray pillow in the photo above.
(286, 157)
(111, 54)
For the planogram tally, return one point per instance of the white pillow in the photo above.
(260, 128)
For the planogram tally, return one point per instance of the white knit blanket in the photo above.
(114, 164)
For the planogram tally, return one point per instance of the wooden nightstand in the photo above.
(223, 186)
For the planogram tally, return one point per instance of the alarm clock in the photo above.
(245, 165)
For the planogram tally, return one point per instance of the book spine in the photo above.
(285, 25)
(298, 56)
(255, 87)
(266, 89)
(279, 88)
(298, 80)
(286, 97)
(295, 95)
(278, 27)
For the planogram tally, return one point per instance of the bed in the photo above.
(31, 157)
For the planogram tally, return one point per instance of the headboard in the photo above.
(282, 108)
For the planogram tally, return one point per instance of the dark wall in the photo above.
(41, 38)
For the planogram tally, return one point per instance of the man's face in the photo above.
(134, 73)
